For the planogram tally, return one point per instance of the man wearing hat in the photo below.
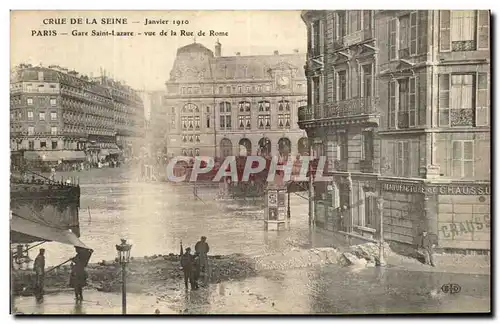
(202, 249)
(187, 263)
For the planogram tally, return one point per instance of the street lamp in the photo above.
(123, 258)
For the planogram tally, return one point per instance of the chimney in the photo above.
(218, 49)
(238, 53)
(296, 51)
(276, 53)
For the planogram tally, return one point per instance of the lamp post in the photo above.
(124, 257)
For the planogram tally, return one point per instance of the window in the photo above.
(43, 144)
(29, 101)
(31, 130)
(316, 90)
(403, 36)
(284, 105)
(221, 90)
(244, 106)
(284, 121)
(54, 145)
(31, 145)
(344, 147)
(208, 121)
(464, 30)
(41, 116)
(248, 89)
(342, 86)
(197, 122)
(208, 109)
(264, 106)
(402, 159)
(316, 38)
(53, 101)
(190, 122)
(264, 121)
(367, 146)
(354, 20)
(244, 122)
(190, 90)
(184, 121)
(403, 103)
(184, 138)
(259, 88)
(228, 89)
(366, 80)
(30, 115)
(463, 100)
(197, 138)
(225, 122)
(342, 22)
(53, 130)
(268, 88)
(172, 122)
(173, 110)
(463, 159)
(53, 116)
(371, 209)
(225, 107)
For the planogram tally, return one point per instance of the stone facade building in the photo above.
(234, 105)
(59, 115)
(399, 102)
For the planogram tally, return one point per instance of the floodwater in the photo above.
(157, 216)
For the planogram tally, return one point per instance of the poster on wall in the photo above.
(281, 213)
(281, 198)
(273, 214)
(272, 198)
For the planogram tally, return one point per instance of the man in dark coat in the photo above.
(202, 248)
(187, 264)
(78, 279)
(427, 243)
(196, 270)
(39, 268)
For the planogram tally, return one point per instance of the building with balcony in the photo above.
(59, 115)
(398, 101)
(234, 105)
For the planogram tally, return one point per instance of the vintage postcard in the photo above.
(250, 162)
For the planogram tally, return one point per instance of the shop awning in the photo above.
(45, 232)
(54, 156)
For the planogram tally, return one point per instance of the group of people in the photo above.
(194, 265)
(78, 275)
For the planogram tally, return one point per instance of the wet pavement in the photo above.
(156, 216)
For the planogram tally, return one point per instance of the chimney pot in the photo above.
(238, 53)
(276, 53)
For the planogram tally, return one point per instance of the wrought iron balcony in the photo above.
(353, 107)
(305, 113)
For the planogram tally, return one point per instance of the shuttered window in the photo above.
(483, 29)
(393, 39)
(482, 100)
(464, 30)
(392, 103)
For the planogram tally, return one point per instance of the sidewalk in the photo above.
(95, 302)
(449, 263)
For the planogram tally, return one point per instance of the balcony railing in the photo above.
(356, 37)
(305, 113)
(353, 107)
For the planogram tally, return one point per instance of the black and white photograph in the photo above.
(250, 162)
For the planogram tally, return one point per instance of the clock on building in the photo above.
(283, 81)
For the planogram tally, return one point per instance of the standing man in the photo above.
(39, 268)
(427, 244)
(202, 248)
(187, 264)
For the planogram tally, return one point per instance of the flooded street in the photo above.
(157, 216)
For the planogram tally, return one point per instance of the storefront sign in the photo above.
(460, 228)
(448, 189)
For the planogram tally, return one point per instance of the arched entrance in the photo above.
(245, 147)
(284, 147)
(303, 146)
(226, 147)
(265, 146)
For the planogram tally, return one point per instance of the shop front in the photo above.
(457, 213)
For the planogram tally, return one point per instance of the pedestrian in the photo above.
(78, 279)
(196, 269)
(427, 243)
(39, 268)
(187, 263)
(202, 248)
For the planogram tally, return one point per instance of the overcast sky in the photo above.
(144, 62)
